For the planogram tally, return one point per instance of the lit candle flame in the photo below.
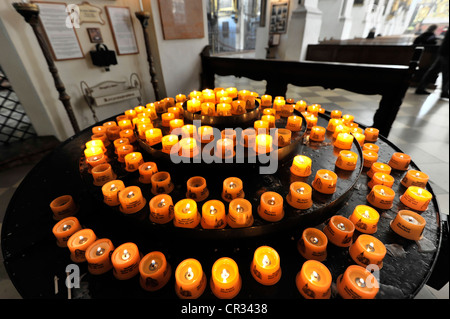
(417, 174)
(314, 240)
(419, 191)
(325, 176)
(162, 203)
(153, 265)
(130, 195)
(266, 261)
(370, 247)
(239, 208)
(189, 274)
(300, 190)
(360, 282)
(113, 187)
(212, 210)
(341, 226)
(366, 214)
(272, 201)
(100, 251)
(382, 192)
(187, 208)
(82, 240)
(66, 227)
(225, 274)
(315, 276)
(232, 185)
(148, 167)
(125, 255)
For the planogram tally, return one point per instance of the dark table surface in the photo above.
(32, 258)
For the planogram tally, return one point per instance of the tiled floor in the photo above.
(421, 130)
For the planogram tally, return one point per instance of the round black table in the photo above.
(33, 260)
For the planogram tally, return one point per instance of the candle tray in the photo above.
(255, 181)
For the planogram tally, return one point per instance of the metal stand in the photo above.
(30, 12)
(143, 17)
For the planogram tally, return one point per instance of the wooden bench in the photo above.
(389, 81)
(377, 52)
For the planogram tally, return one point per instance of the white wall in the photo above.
(25, 66)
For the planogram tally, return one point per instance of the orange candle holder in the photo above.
(125, 260)
(248, 138)
(379, 167)
(238, 107)
(265, 266)
(348, 118)
(93, 151)
(98, 143)
(79, 242)
(313, 109)
(340, 128)
(270, 111)
(300, 195)
(240, 213)
(294, 123)
(129, 134)
(188, 147)
(317, 134)
(225, 148)
(270, 119)
(371, 134)
(301, 106)
(333, 123)
(131, 200)
(186, 214)
(180, 98)
(175, 126)
(367, 250)
(313, 281)
(142, 128)
(176, 112)
(206, 134)
(197, 189)
(113, 133)
(271, 207)
(381, 197)
(110, 191)
(125, 125)
(132, 161)
(122, 151)
(193, 105)
(223, 109)
(325, 181)
(102, 174)
(225, 279)
(408, 224)
(311, 120)
(63, 206)
(98, 256)
(146, 171)
(103, 137)
(65, 228)
(190, 280)
(400, 161)
(154, 271)
(130, 114)
(261, 127)
(365, 219)
(161, 183)
(96, 160)
(213, 215)
(232, 92)
(347, 160)
(415, 178)
(278, 103)
(282, 137)
(344, 141)
(369, 157)
(380, 178)
(336, 114)
(301, 166)
(313, 244)
(416, 198)
(119, 142)
(359, 137)
(168, 143)
(371, 147)
(166, 118)
(232, 188)
(339, 231)
(266, 100)
(161, 209)
(353, 283)
(98, 130)
(263, 144)
(153, 136)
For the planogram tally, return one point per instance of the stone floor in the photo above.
(420, 130)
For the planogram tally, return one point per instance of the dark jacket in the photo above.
(426, 38)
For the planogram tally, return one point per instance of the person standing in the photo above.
(440, 64)
(428, 37)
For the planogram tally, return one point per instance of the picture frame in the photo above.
(279, 13)
(59, 31)
(122, 29)
(95, 35)
(182, 19)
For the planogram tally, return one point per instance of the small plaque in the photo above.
(90, 13)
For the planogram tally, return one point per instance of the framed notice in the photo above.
(279, 17)
(122, 30)
(181, 19)
(59, 31)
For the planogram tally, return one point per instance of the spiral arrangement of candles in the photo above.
(117, 140)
